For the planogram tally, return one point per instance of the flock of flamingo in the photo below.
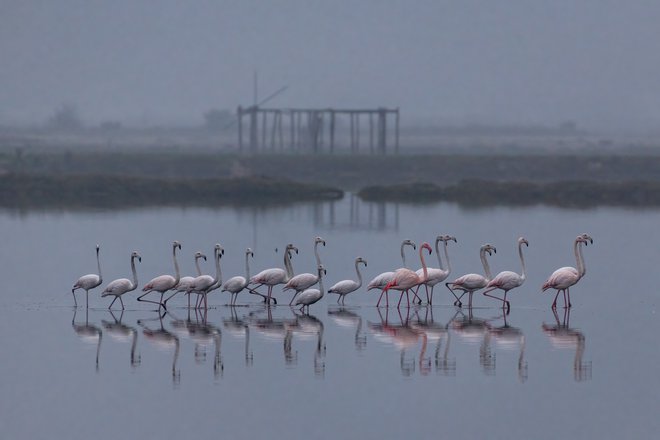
(403, 280)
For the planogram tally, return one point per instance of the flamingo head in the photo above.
(318, 240)
(199, 255)
(290, 247)
(134, 255)
(408, 242)
(176, 245)
(445, 238)
(426, 246)
(321, 270)
(584, 238)
(219, 250)
(97, 248)
(489, 248)
(522, 240)
(361, 260)
(249, 252)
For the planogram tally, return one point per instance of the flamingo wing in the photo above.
(344, 287)
(234, 284)
(380, 281)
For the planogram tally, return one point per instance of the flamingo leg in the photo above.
(418, 298)
(568, 290)
(170, 297)
(564, 298)
(343, 298)
(431, 300)
(122, 303)
(75, 302)
(554, 303)
(139, 298)
(293, 297)
(408, 298)
(485, 292)
(458, 300)
(400, 298)
(381, 297)
(87, 299)
(113, 301)
(470, 300)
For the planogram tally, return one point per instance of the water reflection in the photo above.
(164, 339)
(563, 337)
(343, 317)
(123, 333)
(423, 343)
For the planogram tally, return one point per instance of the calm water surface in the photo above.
(339, 372)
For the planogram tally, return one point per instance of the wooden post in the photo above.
(371, 133)
(332, 131)
(239, 115)
(264, 129)
(396, 133)
(292, 130)
(254, 140)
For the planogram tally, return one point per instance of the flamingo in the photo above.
(89, 333)
(163, 338)
(473, 281)
(565, 277)
(405, 279)
(508, 280)
(203, 284)
(163, 283)
(235, 285)
(436, 276)
(304, 281)
(343, 288)
(563, 336)
(88, 282)
(122, 285)
(123, 333)
(184, 282)
(380, 281)
(311, 296)
(274, 276)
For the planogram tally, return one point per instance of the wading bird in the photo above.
(436, 275)
(304, 281)
(163, 283)
(203, 284)
(235, 285)
(311, 296)
(472, 282)
(405, 279)
(565, 277)
(273, 277)
(343, 288)
(120, 286)
(88, 282)
(508, 280)
(380, 281)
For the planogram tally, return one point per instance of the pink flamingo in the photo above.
(564, 277)
(508, 280)
(163, 283)
(88, 282)
(274, 276)
(304, 281)
(380, 281)
(343, 288)
(436, 275)
(405, 279)
(472, 282)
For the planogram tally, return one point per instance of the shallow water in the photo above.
(251, 371)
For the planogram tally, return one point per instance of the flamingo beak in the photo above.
(140, 259)
(204, 257)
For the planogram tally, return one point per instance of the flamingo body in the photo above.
(344, 287)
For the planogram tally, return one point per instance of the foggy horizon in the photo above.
(519, 63)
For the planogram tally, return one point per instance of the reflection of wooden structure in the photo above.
(315, 130)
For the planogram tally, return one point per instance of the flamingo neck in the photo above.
(177, 275)
(522, 261)
(218, 271)
(484, 262)
(583, 267)
(424, 268)
(316, 253)
(437, 253)
(321, 289)
(287, 264)
(247, 266)
(135, 279)
(133, 346)
(447, 258)
(403, 254)
(98, 265)
(199, 271)
(359, 275)
(578, 258)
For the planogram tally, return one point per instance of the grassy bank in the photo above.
(44, 191)
(485, 193)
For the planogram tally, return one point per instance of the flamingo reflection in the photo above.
(280, 329)
(121, 332)
(88, 333)
(474, 330)
(509, 338)
(403, 337)
(439, 333)
(239, 328)
(204, 334)
(309, 326)
(562, 336)
(164, 339)
(343, 317)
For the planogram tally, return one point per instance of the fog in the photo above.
(444, 62)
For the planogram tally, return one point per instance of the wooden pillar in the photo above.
(382, 130)
(332, 131)
(264, 129)
(292, 130)
(239, 115)
(273, 130)
(396, 132)
(279, 128)
(371, 132)
(254, 139)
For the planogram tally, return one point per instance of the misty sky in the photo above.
(508, 62)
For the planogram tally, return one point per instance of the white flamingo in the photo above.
(507, 279)
(88, 282)
(163, 283)
(380, 281)
(311, 296)
(565, 277)
(343, 288)
(203, 284)
(120, 286)
(184, 282)
(435, 275)
(274, 276)
(235, 285)
(472, 282)
(405, 279)
(304, 281)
